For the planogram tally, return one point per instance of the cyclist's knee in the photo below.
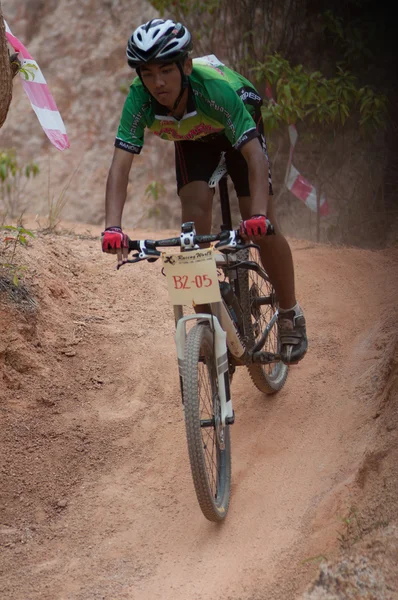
(196, 190)
(196, 203)
(196, 197)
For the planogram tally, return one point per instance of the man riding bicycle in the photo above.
(208, 111)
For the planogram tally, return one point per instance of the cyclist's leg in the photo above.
(276, 256)
(277, 259)
(196, 205)
(195, 163)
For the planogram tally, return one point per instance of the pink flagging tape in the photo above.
(40, 97)
(305, 191)
(60, 140)
(15, 43)
(295, 182)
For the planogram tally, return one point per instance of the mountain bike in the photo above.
(235, 323)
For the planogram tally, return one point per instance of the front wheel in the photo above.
(208, 442)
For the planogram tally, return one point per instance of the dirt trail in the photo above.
(96, 495)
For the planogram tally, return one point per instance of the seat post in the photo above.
(225, 206)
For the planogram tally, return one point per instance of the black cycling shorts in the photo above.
(198, 159)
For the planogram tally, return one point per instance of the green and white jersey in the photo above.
(220, 102)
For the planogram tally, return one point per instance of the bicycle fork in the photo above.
(221, 358)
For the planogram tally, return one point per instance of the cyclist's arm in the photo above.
(116, 187)
(240, 129)
(258, 176)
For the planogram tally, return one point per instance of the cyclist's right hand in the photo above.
(114, 241)
(255, 227)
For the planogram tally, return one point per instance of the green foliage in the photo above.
(14, 237)
(311, 97)
(17, 235)
(13, 179)
(373, 108)
(154, 190)
(28, 71)
(348, 37)
(352, 529)
(124, 87)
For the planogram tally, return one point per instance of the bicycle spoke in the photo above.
(261, 315)
(205, 383)
(212, 469)
(209, 436)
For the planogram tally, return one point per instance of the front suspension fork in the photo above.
(221, 358)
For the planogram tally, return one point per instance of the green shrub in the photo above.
(13, 180)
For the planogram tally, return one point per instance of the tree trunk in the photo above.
(5, 73)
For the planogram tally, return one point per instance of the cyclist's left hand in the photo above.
(256, 226)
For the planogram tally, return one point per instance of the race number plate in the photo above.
(192, 277)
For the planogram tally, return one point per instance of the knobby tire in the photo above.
(210, 465)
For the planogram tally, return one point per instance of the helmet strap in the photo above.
(138, 71)
(184, 84)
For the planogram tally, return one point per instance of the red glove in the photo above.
(113, 238)
(256, 226)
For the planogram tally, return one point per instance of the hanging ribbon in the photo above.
(40, 97)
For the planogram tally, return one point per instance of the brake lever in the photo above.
(244, 246)
(131, 261)
(138, 258)
(237, 247)
(227, 241)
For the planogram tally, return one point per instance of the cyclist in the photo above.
(207, 110)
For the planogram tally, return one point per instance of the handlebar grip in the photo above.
(134, 245)
(270, 229)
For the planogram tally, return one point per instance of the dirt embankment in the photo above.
(96, 494)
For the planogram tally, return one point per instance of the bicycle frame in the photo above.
(226, 338)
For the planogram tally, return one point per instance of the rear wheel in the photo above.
(269, 378)
(208, 442)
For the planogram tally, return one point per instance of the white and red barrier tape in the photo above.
(39, 95)
(294, 181)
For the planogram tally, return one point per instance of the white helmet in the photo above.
(158, 41)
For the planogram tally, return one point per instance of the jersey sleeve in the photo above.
(229, 109)
(130, 133)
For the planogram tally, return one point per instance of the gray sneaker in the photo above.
(292, 336)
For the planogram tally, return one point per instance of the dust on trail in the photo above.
(97, 497)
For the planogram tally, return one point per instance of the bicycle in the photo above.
(238, 319)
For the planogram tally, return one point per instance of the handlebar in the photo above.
(176, 241)
(228, 240)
